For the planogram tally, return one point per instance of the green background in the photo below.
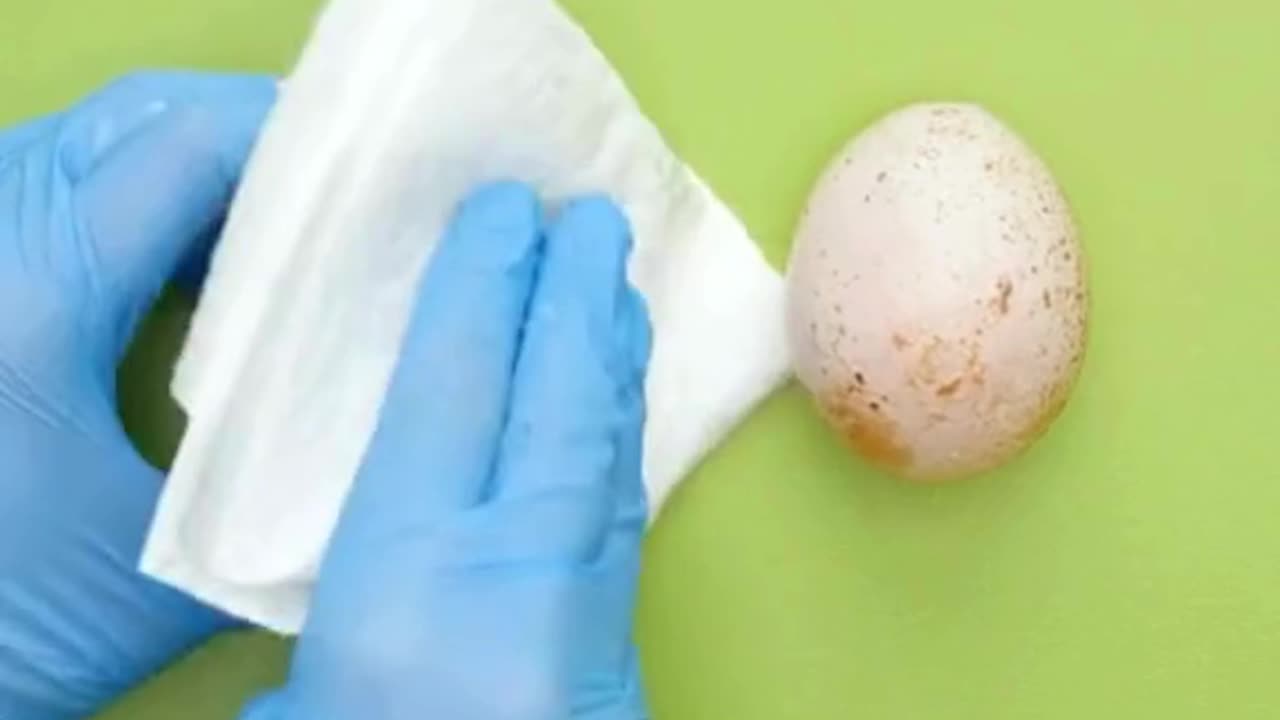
(1129, 567)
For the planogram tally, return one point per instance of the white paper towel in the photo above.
(396, 110)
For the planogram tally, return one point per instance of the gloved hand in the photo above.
(486, 561)
(99, 206)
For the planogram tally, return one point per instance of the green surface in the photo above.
(1128, 568)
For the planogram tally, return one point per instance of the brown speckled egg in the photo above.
(937, 304)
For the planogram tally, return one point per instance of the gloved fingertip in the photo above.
(239, 103)
(585, 274)
(598, 220)
(499, 204)
(599, 207)
(496, 226)
(265, 88)
(84, 140)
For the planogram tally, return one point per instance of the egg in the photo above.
(936, 293)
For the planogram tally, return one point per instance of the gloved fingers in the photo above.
(98, 122)
(554, 528)
(576, 366)
(432, 454)
(157, 197)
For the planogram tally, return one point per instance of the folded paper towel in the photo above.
(396, 110)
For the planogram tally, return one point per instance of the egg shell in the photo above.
(937, 301)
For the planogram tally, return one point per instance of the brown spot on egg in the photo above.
(976, 369)
(872, 435)
(1048, 299)
(900, 341)
(949, 388)
(927, 368)
(1004, 291)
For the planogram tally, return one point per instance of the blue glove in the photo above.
(486, 562)
(99, 207)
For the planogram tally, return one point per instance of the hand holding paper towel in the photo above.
(99, 206)
(485, 564)
(396, 110)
